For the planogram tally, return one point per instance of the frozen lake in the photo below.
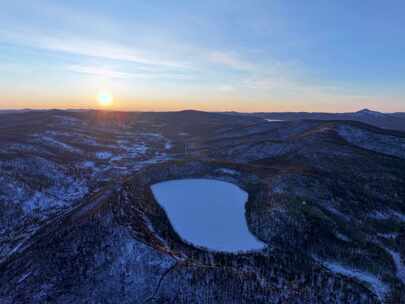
(207, 213)
(274, 120)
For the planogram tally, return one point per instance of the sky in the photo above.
(214, 55)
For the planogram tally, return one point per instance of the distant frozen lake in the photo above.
(274, 120)
(207, 213)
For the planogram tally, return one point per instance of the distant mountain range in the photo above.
(394, 121)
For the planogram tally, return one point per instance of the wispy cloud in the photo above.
(87, 47)
(112, 73)
(98, 71)
(230, 60)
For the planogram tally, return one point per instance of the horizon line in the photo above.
(182, 110)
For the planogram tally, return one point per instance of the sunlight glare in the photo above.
(105, 99)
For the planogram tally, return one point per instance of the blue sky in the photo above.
(210, 55)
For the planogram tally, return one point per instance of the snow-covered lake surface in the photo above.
(274, 120)
(207, 213)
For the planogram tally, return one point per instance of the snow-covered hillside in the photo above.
(79, 222)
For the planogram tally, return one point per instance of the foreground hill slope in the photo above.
(80, 225)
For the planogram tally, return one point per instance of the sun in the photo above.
(105, 99)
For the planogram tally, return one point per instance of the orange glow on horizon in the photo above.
(142, 103)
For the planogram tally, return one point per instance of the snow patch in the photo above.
(168, 145)
(56, 143)
(133, 150)
(88, 165)
(399, 215)
(104, 155)
(381, 143)
(228, 171)
(393, 235)
(377, 286)
(152, 134)
(399, 265)
(24, 276)
(378, 215)
(342, 237)
(40, 201)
